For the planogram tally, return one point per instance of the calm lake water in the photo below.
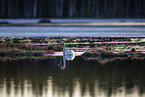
(27, 31)
(87, 20)
(80, 78)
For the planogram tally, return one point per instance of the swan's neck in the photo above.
(64, 49)
(64, 54)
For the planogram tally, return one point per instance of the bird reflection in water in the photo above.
(67, 55)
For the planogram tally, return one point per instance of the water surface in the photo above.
(80, 78)
(29, 31)
(85, 20)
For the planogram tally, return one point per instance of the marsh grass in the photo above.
(32, 46)
(23, 49)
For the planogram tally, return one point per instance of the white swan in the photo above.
(68, 55)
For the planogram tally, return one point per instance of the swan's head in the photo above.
(62, 43)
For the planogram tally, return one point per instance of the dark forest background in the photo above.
(72, 8)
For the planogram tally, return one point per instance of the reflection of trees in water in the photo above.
(110, 77)
(128, 73)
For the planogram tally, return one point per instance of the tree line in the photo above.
(72, 8)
